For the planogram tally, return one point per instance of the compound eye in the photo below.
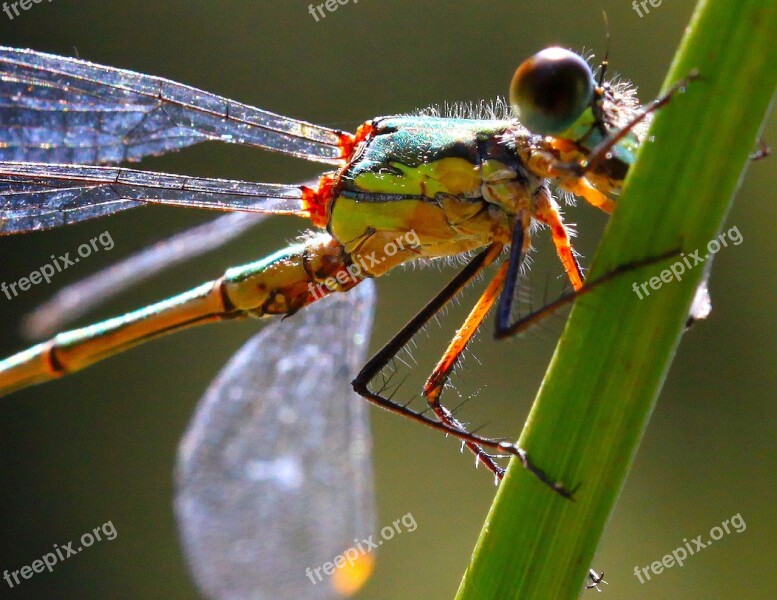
(550, 90)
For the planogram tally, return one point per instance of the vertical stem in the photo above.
(613, 357)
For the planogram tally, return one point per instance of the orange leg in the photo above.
(580, 186)
(547, 212)
(436, 381)
(568, 175)
(384, 356)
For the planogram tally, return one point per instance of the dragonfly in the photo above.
(400, 189)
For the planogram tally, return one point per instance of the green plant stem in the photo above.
(614, 354)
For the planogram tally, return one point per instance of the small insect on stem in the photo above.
(594, 580)
(762, 151)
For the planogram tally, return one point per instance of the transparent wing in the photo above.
(65, 110)
(75, 300)
(39, 196)
(274, 472)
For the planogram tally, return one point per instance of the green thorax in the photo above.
(451, 184)
(424, 156)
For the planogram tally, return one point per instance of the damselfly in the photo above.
(404, 188)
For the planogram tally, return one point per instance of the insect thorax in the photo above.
(454, 185)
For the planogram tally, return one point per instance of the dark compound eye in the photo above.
(550, 90)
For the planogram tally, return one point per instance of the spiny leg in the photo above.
(546, 211)
(508, 272)
(517, 254)
(435, 384)
(580, 186)
(436, 381)
(395, 345)
(505, 329)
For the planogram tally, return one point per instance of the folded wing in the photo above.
(65, 110)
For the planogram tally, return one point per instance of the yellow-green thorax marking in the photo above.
(457, 184)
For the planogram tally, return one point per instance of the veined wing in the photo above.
(274, 474)
(39, 196)
(76, 299)
(65, 110)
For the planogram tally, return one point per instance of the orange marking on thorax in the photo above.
(317, 200)
(349, 142)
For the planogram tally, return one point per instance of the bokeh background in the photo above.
(101, 445)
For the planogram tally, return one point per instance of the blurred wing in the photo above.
(65, 110)
(39, 196)
(274, 473)
(75, 300)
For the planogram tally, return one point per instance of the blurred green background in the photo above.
(101, 445)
